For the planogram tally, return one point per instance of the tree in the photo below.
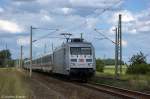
(99, 65)
(5, 57)
(139, 58)
(138, 64)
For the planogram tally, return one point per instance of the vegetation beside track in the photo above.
(133, 82)
(12, 83)
(135, 76)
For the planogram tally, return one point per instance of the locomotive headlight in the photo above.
(72, 64)
(90, 64)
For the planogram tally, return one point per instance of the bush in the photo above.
(138, 64)
(138, 69)
(99, 65)
(139, 58)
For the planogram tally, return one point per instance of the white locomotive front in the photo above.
(75, 58)
(82, 59)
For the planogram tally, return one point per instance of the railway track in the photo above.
(119, 92)
(111, 90)
(61, 86)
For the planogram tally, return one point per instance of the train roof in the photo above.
(43, 55)
(78, 41)
(38, 57)
(75, 42)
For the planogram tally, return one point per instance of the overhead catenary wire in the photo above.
(45, 36)
(105, 37)
(102, 11)
(44, 28)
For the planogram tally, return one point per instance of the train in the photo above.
(75, 59)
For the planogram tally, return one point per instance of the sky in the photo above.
(75, 17)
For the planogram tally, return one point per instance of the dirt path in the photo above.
(46, 87)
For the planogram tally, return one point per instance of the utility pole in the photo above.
(81, 36)
(21, 54)
(52, 55)
(31, 51)
(118, 48)
(52, 47)
(116, 53)
(120, 30)
(18, 64)
(45, 48)
(104, 59)
(6, 57)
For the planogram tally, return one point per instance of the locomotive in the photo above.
(75, 58)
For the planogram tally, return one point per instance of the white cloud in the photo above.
(9, 26)
(66, 10)
(94, 3)
(133, 31)
(1, 10)
(46, 18)
(43, 1)
(132, 23)
(81, 3)
(124, 43)
(23, 41)
(91, 22)
(127, 16)
(143, 26)
(62, 10)
(111, 30)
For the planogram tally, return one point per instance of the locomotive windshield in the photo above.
(80, 51)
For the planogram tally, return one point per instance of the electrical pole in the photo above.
(120, 30)
(18, 63)
(31, 51)
(52, 55)
(21, 56)
(116, 53)
(52, 47)
(118, 48)
(45, 48)
(104, 59)
(6, 56)
(81, 36)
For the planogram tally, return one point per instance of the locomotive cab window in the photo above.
(80, 51)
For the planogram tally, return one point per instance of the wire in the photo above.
(104, 36)
(100, 38)
(44, 28)
(45, 36)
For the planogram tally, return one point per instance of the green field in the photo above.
(12, 84)
(111, 69)
(134, 82)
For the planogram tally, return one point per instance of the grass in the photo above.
(133, 82)
(12, 83)
(111, 69)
